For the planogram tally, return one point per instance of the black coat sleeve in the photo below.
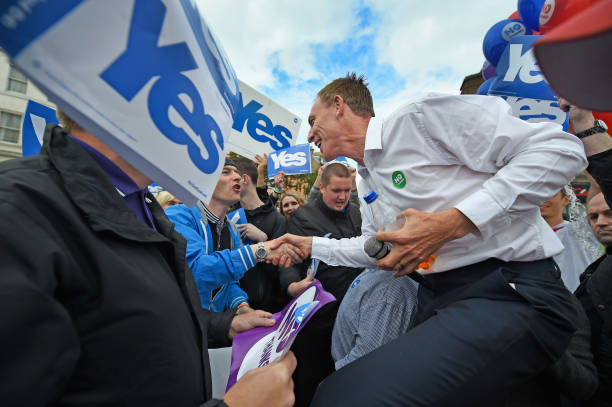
(218, 327)
(40, 345)
(313, 194)
(280, 226)
(214, 403)
(600, 167)
(575, 374)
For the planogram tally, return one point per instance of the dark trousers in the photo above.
(475, 337)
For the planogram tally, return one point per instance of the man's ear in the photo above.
(339, 105)
(566, 200)
(245, 179)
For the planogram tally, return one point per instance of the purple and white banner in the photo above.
(263, 345)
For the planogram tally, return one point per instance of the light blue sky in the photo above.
(288, 50)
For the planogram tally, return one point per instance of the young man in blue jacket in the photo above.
(215, 253)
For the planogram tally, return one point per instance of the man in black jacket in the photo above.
(595, 293)
(261, 283)
(595, 289)
(97, 304)
(587, 82)
(331, 213)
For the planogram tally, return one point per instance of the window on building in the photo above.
(9, 127)
(17, 82)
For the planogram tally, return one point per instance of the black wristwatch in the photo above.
(599, 127)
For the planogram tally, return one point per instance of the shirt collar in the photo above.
(211, 217)
(122, 182)
(373, 139)
(560, 226)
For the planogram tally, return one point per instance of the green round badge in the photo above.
(399, 179)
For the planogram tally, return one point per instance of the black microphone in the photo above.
(377, 250)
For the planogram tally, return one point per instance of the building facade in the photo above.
(15, 91)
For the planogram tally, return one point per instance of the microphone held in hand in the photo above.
(377, 249)
(389, 214)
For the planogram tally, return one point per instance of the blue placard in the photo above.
(537, 110)
(36, 117)
(292, 160)
(186, 79)
(518, 73)
(259, 127)
(21, 22)
(238, 217)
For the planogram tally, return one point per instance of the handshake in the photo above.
(286, 250)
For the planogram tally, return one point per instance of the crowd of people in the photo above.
(111, 297)
(238, 274)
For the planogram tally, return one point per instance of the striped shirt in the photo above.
(376, 309)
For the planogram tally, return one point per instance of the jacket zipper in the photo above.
(212, 297)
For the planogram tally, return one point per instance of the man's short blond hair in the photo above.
(354, 90)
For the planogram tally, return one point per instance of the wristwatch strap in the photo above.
(597, 128)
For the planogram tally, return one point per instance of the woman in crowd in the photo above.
(289, 202)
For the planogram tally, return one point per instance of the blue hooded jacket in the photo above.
(212, 269)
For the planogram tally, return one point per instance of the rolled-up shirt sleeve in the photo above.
(342, 252)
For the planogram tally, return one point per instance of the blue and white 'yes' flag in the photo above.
(292, 160)
(261, 126)
(519, 81)
(147, 77)
(36, 117)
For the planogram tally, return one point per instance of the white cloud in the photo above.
(419, 37)
(256, 34)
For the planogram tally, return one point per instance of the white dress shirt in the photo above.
(470, 153)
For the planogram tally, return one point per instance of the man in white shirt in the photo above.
(468, 177)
